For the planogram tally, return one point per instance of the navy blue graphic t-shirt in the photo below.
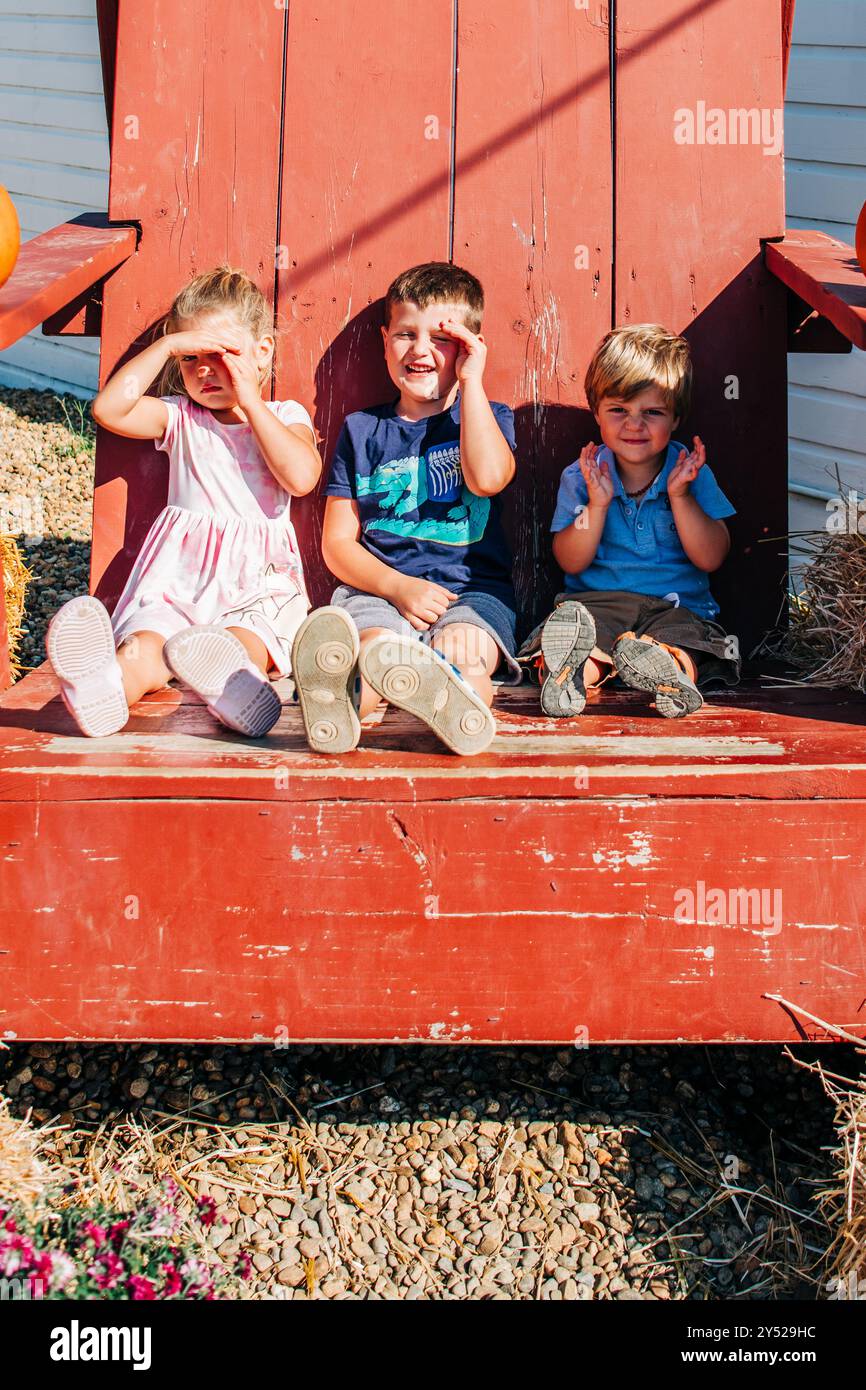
(417, 513)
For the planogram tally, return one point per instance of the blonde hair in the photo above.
(225, 289)
(629, 360)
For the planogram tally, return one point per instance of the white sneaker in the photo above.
(213, 663)
(80, 646)
(325, 671)
(418, 679)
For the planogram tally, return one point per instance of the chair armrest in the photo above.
(55, 269)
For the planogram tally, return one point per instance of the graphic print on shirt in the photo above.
(401, 488)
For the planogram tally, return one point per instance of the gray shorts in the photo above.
(473, 608)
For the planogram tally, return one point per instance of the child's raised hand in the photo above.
(197, 341)
(472, 356)
(245, 378)
(421, 601)
(599, 483)
(686, 469)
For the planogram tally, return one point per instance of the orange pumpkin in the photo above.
(860, 238)
(10, 236)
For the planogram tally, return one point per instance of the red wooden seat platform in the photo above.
(540, 891)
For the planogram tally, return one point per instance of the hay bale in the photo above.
(23, 1175)
(844, 1203)
(15, 578)
(825, 640)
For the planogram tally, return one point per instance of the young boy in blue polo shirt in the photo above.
(638, 527)
(425, 611)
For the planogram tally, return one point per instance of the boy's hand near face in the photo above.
(705, 540)
(575, 546)
(599, 483)
(472, 354)
(686, 469)
(485, 455)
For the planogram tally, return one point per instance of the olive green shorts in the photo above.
(715, 653)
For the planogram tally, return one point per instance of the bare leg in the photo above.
(597, 668)
(254, 647)
(686, 661)
(474, 653)
(141, 665)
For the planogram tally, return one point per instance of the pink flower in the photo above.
(93, 1232)
(15, 1253)
(243, 1265)
(107, 1270)
(62, 1269)
(173, 1282)
(117, 1232)
(206, 1210)
(43, 1266)
(140, 1288)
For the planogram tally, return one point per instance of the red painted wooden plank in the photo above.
(690, 215)
(195, 140)
(826, 274)
(365, 194)
(471, 921)
(532, 205)
(56, 267)
(773, 746)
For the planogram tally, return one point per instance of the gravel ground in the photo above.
(519, 1173)
(411, 1172)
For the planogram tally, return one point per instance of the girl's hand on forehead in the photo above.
(686, 468)
(197, 341)
(599, 483)
(472, 354)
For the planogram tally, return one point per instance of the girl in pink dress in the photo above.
(217, 592)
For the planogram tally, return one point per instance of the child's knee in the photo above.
(469, 648)
(142, 647)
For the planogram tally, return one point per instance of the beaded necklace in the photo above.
(641, 490)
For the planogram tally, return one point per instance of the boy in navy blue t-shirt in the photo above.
(425, 613)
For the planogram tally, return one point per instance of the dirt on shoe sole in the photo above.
(648, 666)
(413, 677)
(566, 642)
(324, 668)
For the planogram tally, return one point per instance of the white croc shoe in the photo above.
(213, 663)
(80, 646)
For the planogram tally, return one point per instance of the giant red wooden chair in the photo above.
(175, 882)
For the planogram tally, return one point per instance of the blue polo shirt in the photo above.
(640, 551)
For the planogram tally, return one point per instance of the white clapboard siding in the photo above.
(828, 23)
(825, 169)
(53, 157)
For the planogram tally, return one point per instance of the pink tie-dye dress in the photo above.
(223, 550)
